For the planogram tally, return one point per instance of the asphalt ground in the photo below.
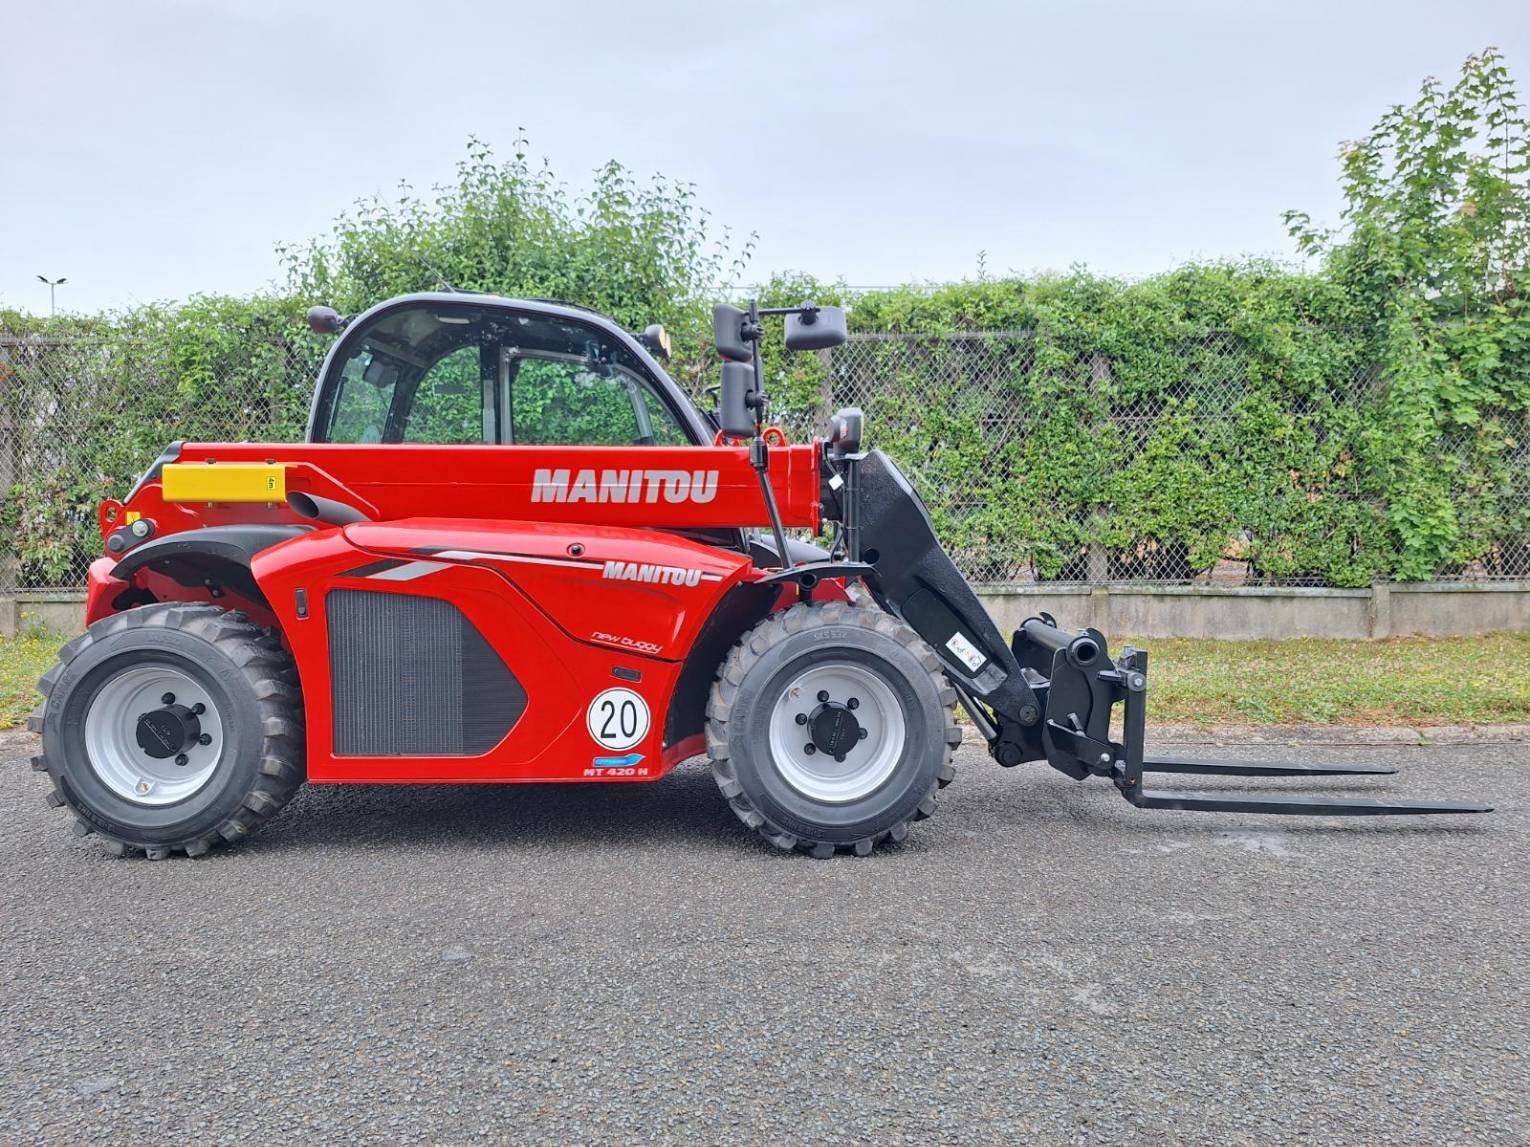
(1039, 962)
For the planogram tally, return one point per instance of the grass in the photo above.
(23, 659)
(1409, 681)
(1405, 681)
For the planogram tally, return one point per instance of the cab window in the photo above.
(557, 400)
(449, 407)
(450, 373)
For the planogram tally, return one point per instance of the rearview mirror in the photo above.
(728, 333)
(324, 320)
(816, 328)
(736, 402)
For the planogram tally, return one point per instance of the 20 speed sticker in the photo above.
(617, 719)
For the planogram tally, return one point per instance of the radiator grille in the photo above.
(411, 676)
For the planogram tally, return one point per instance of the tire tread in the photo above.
(755, 644)
(268, 669)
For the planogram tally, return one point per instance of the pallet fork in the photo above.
(1083, 686)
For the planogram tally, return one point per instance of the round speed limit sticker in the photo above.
(617, 719)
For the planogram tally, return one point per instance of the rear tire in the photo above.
(171, 728)
(831, 727)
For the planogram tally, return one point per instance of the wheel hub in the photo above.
(834, 728)
(836, 731)
(168, 731)
(153, 734)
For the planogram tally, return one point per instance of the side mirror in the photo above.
(737, 401)
(324, 320)
(728, 333)
(816, 328)
(655, 340)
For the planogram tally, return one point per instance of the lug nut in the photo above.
(810, 748)
(205, 739)
(199, 708)
(167, 699)
(861, 736)
(853, 703)
(823, 696)
(802, 718)
(182, 759)
(840, 757)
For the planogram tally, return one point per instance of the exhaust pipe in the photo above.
(326, 510)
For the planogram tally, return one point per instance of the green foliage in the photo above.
(1160, 425)
(1366, 419)
(1432, 263)
(88, 403)
(639, 252)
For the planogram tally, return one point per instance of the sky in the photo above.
(153, 149)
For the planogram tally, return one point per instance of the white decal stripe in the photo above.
(474, 555)
(408, 571)
(416, 569)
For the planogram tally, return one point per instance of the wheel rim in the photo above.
(832, 706)
(184, 735)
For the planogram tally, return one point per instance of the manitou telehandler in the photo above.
(512, 550)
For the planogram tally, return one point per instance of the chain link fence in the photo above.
(1194, 461)
(1200, 459)
(82, 418)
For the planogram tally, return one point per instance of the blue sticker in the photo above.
(616, 762)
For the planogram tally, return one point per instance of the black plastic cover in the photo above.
(728, 333)
(922, 585)
(817, 329)
(736, 414)
(221, 554)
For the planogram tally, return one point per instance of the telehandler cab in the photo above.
(512, 550)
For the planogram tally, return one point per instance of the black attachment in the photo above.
(1294, 806)
(885, 525)
(1085, 685)
(1262, 769)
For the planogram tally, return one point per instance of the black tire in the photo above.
(756, 675)
(245, 673)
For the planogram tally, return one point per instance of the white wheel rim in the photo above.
(868, 761)
(112, 745)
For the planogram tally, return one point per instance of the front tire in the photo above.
(831, 727)
(171, 728)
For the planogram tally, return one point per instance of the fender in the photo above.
(220, 555)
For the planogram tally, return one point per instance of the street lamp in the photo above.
(53, 285)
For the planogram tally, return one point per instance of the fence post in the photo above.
(10, 394)
(1098, 559)
(826, 385)
(1379, 609)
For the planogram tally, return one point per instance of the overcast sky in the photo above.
(150, 149)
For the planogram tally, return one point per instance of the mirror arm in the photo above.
(759, 449)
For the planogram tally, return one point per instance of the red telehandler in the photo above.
(510, 549)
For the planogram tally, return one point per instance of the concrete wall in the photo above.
(1437, 609)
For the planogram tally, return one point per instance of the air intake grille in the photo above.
(411, 676)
